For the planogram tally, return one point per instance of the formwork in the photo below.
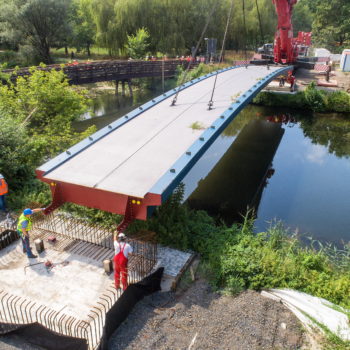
(73, 294)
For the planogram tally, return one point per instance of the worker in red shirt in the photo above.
(122, 251)
(291, 80)
(3, 192)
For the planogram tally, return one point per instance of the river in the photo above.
(285, 165)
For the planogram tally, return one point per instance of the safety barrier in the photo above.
(322, 68)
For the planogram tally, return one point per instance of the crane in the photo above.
(287, 48)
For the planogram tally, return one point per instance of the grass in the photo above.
(97, 53)
(331, 340)
(197, 126)
(340, 309)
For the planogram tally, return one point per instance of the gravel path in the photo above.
(200, 319)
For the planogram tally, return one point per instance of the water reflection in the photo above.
(308, 187)
(237, 180)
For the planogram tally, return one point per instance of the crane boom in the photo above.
(286, 48)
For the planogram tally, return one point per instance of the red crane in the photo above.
(287, 48)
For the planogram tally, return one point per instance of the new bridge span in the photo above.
(134, 164)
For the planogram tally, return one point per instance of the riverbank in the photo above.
(308, 95)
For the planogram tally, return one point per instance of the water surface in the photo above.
(286, 165)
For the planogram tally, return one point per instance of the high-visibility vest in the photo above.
(3, 187)
(20, 220)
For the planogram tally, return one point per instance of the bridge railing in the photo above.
(80, 73)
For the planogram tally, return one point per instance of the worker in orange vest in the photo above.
(3, 192)
(122, 251)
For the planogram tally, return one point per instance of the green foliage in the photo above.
(331, 25)
(330, 131)
(14, 150)
(273, 259)
(196, 72)
(338, 101)
(32, 193)
(83, 26)
(297, 100)
(45, 106)
(197, 126)
(238, 258)
(315, 98)
(42, 23)
(94, 216)
(331, 340)
(174, 26)
(36, 116)
(138, 44)
(312, 98)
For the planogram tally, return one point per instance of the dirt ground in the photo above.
(306, 76)
(199, 319)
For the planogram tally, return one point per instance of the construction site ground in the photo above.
(306, 76)
(195, 317)
(198, 318)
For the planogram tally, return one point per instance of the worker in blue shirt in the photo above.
(23, 227)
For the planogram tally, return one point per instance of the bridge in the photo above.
(132, 165)
(118, 70)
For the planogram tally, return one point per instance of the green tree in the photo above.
(137, 45)
(14, 150)
(84, 29)
(39, 23)
(302, 17)
(331, 23)
(43, 106)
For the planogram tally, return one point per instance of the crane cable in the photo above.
(260, 24)
(210, 103)
(245, 32)
(195, 51)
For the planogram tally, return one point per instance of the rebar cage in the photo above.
(79, 237)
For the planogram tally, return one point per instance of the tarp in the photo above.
(308, 308)
(123, 306)
(36, 334)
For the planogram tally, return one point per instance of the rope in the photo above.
(260, 24)
(195, 51)
(210, 104)
(245, 31)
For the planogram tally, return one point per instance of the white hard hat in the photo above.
(121, 235)
(1, 176)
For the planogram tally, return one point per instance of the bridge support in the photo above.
(116, 87)
(123, 86)
(130, 87)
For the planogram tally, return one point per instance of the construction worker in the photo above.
(122, 252)
(23, 227)
(3, 192)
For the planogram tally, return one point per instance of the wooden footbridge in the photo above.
(132, 165)
(111, 70)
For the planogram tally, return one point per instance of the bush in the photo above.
(315, 98)
(310, 99)
(36, 116)
(196, 72)
(241, 259)
(338, 101)
(14, 150)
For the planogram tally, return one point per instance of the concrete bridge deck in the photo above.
(137, 155)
